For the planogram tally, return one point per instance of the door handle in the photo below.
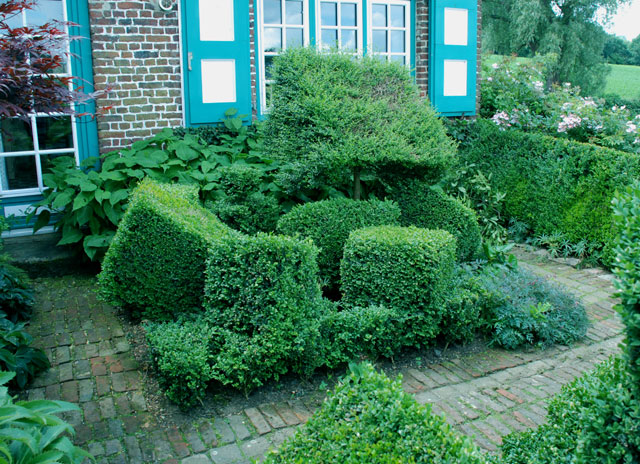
(189, 60)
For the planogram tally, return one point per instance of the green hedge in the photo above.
(155, 265)
(265, 289)
(627, 269)
(595, 419)
(354, 332)
(404, 268)
(368, 418)
(181, 354)
(423, 206)
(552, 185)
(328, 223)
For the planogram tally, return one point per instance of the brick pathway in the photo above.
(487, 395)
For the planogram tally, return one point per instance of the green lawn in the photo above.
(624, 81)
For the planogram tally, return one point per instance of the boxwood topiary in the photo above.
(264, 289)
(328, 223)
(155, 265)
(405, 268)
(368, 418)
(333, 115)
(426, 207)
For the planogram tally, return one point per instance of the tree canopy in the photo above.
(567, 28)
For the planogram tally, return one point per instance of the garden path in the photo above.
(487, 394)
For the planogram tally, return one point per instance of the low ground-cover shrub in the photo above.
(31, 431)
(552, 185)
(155, 266)
(524, 309)
(369, 418)
(265, 289)
(426, 207)
(334, 118)
(594, 419)
(404, 268)
(16, 293)
(328, 223)
(91, 200)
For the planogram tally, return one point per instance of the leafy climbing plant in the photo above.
(87, 202)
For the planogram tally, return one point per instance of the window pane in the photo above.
(46, 161)
(18, 172)
(398, 59)
(268, 63)
(16, 135)
(272, 13)
(329, 14)
(397, 16)
(381, 57)
(272, 39)
(397, 42)
(349, 41)
(294, 12)
(380, 41)
(379, 15)
(348, 14)
(44, 12)
(294, 37)
(329, 37)
(54, 132)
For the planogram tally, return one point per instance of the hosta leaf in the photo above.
(70, 235)
(118, 196)
(42, 221)
(81, 200)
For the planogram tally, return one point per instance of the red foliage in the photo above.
(30, 61)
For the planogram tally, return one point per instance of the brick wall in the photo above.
(422, 46)
(136, 53)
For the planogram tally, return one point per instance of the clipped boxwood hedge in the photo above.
(368, 418)
(265, 289)
(426, 207)
(155, 265)
(328, 223)
(405, 268)
(552, 185)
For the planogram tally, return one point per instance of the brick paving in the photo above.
(486, 395)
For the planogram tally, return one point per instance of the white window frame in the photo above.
(261, 54)
(359, 24)
(407, 29)
(37, 152)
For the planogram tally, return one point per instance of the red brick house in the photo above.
(184, 62)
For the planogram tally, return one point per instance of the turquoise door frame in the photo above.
(195, 51)
(439, 52)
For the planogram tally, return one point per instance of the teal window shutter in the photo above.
(82, 67)
(453, 56)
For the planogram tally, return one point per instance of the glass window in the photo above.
(340, 24)
(283, 25)
(390, 30)
(27, 146)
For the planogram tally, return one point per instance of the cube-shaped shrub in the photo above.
(405, 268)
(155, 265)
(423, 206)
(328, 223)
(368, 418)
(265, 289)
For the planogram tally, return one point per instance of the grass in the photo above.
(624, 81)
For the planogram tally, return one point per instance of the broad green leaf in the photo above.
(81, 200)
(42, 221)
(70, 235)
(88, 186)
(118, 196)
(63, 199)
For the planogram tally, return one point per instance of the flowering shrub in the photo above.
(515, 96)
